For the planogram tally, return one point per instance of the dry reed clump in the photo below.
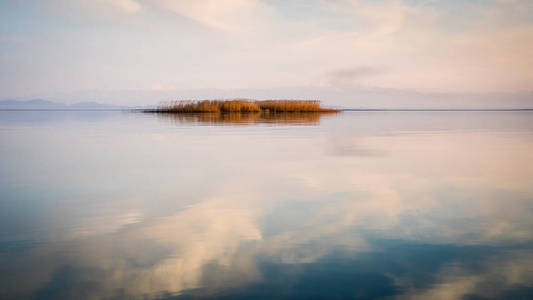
(242, 106)
(290, 106)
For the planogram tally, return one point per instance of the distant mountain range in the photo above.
(335, 97)
(40, 104)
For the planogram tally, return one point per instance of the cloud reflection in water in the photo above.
(245, 212)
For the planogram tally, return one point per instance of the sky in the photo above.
(109, 50)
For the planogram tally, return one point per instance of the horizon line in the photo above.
(341, 109)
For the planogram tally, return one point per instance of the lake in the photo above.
(356, 205)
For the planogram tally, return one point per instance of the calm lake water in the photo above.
(364, 205)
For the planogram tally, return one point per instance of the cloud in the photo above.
(127, 6)
(373, 17)
(224, 15)
(351, 76)
(88, 9)
(430, 46)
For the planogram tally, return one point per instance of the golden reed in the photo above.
(242, 106)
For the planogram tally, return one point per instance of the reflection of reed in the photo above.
(311, 118)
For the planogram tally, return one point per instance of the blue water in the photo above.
(357, 205)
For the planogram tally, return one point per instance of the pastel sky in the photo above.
(53, 47)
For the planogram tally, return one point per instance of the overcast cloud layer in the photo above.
(60, 47)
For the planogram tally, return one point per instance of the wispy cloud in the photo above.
(225, 15)
(127, 6)
(350, 76)
(428, 46)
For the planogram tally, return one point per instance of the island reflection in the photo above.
(291, 118)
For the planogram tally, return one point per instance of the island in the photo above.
(242, 106)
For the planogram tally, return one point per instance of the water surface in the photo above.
(354, 205)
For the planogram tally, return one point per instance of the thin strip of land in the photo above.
(438, 109)
(242, 106)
